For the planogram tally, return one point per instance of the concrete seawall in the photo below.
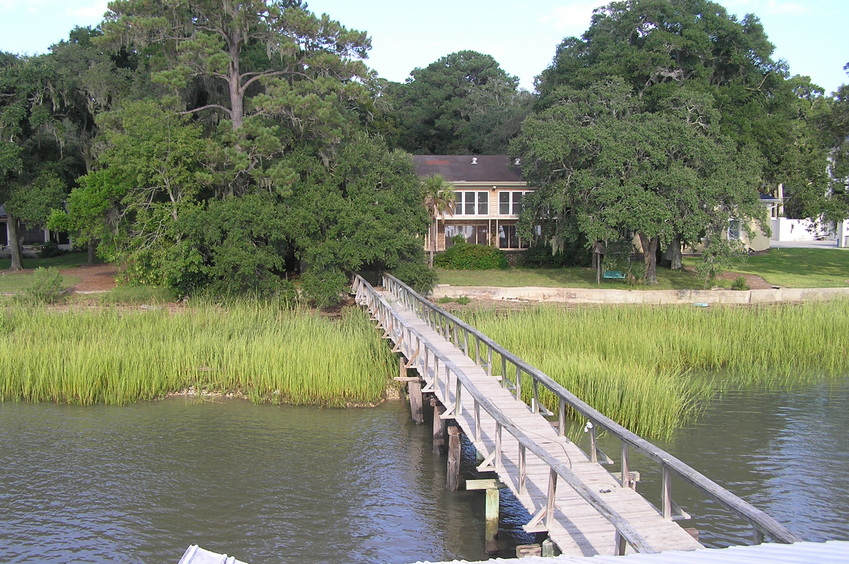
(598, 296)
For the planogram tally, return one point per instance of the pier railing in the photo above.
(442, 369)
(516, 374)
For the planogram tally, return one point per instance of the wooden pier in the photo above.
(494, 397)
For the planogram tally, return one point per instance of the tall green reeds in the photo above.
(118, 356)
(651, 367)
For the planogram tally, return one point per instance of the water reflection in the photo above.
(274, 484)
(787, 453)
(263, 483)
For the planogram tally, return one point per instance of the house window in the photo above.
(508, 238)
(473, 234)
(510, 203)
(471, 203)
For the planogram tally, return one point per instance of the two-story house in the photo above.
(488, 198)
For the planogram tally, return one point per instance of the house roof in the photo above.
(469, 168)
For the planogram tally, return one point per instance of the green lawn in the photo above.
(561, 278)
(801, 268)
(68, 260)
(15, 282)
(793, 268)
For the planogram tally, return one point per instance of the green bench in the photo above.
(613, 274)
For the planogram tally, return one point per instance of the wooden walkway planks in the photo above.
(576, 526)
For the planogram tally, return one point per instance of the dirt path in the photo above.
(754, 281)
(97, 278)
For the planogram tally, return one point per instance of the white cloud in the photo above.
(767, 7)
(22, 7)
(89, 11)
(573, 18)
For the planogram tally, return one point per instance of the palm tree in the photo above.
(439, 198)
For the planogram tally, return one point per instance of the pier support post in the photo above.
(491, 535)
(453, 479)
(492, 500)
(438, 426)
(414, 391)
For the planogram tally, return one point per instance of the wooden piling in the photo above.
(493, 496)
(491, 535)
(453, 479)
(438, 426)
(414, 391)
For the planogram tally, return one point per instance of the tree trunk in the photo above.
(14, 242)
(650, 245)
(434, 229)
(90, 253)
(237, 96)
(673, 253)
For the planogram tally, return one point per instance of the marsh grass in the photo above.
(117, 356)
(653, 368)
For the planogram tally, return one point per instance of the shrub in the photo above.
(740, 283)
(417, 275)
(718, 256)
(637, 273)
(46, 286)
(462, 300)
(472, 257)
(325, 287)
(50, 250)
(540, 255)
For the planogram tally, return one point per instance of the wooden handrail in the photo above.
(759, 520)
(622, 526)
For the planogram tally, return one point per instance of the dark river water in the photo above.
(284, 484)
(786, 452)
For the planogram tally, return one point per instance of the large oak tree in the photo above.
(604, 169)
(705, 77)
(261, 158)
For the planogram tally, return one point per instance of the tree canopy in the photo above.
(217, 145)
(463, 103)
(659, 47)
(35, 170)
(246, 153)
(606, 170)
(666, 119)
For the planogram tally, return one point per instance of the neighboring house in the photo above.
(799, 230)
(756, 239)
(489, 190)
(31, 235)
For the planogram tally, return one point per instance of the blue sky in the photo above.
(811, 35)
